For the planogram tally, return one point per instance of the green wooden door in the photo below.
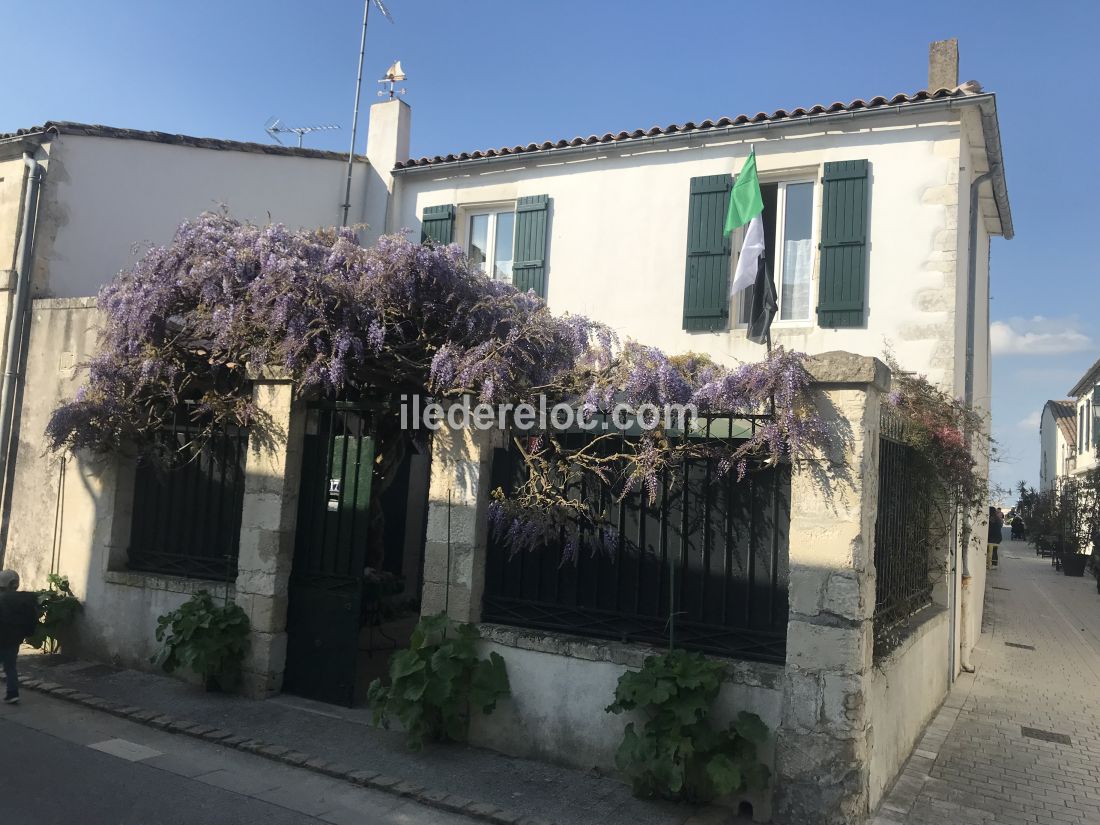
(330, 553)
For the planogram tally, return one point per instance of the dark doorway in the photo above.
(330, 551)
(355, 580)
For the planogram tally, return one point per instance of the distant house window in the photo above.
(1080, 430)
(490, 235)
(789, 248)
(1088, 423)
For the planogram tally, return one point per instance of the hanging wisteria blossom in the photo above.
(195, 319)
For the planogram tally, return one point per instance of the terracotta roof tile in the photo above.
(779, 115)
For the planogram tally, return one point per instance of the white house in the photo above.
(878, 217)
(1085, 395)
(1058, 442)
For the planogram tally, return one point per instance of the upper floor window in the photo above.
(788, 249)
(1088, 423)
(490, 236)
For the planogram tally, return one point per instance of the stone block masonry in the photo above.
(272, 473)
(822, 747)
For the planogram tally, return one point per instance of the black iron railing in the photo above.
(905, 535)
(712, 551)
(187, 505)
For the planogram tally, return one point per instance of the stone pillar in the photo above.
(458, 499)
(822, 745)
(268, 519)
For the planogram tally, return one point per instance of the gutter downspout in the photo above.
(968, 396)
(18, 316)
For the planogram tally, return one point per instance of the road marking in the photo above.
(125, 749)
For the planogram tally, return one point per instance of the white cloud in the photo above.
(1031, 422)
(1038, 336)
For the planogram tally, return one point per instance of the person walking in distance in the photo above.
(18, 619)
(996, 524)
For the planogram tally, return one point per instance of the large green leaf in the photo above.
(752, 727)
(723, 774)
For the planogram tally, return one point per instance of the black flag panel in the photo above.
(764, 305)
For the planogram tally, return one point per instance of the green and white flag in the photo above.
(746, 207)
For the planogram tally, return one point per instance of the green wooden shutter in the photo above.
(840, 301)
(529, 252)
(706, 285)
(438, 224)
(1095, 417)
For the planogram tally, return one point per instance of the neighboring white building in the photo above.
(1086, 398)
(1058, 442)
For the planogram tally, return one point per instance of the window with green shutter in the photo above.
(706, 284)
(844, 210)
(529, 264)
(437, 224)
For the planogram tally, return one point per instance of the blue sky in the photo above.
(499, 73)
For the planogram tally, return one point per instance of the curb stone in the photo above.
(408, 789)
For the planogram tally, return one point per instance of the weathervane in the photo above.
(394, 74)
(275, 128)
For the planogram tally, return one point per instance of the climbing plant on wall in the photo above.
(225, 300)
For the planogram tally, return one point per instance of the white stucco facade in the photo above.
(105, 200)
(619, 220)
(1057, 453)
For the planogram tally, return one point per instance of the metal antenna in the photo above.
(359, 88)
(275, 128)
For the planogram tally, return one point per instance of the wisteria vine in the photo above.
(197, 319)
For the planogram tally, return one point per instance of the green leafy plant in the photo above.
(208, 639)
(679, 753)
(435, 682)
(59, 608)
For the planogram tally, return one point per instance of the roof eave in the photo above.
(991, 134)
(1089, 379)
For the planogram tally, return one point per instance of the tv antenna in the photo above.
(346, 205)
(276, 127)
(394, 75)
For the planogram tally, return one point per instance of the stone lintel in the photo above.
(847, 368)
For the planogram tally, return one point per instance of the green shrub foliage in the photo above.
(59, 608)
(209, 639)
(679, 753)
(435, 682)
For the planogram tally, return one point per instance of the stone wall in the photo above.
(819, 704)
(822, 747)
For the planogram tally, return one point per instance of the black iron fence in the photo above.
(906, 534)
(187, 507)
(712, 552)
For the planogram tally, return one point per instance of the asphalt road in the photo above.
(61, 764)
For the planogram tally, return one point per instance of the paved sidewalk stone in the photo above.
(342, 743)
(975, 763)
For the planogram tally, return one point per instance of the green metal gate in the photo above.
(330, 552)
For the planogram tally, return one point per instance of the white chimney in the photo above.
(387, 145)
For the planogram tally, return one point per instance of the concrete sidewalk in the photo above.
(1017, 742)
(103, 769)
(453, 777)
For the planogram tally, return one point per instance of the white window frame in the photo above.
(811, 176)
(492, 208)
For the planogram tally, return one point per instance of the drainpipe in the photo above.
(966, 596)
(16, 324)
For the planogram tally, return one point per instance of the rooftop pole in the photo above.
(355, 114)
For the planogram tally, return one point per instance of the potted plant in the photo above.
(1073, 560)
(208, 639)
